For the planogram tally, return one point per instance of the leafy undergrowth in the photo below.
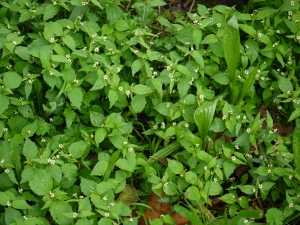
(113, 112)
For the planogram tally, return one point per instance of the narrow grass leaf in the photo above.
(231, 43)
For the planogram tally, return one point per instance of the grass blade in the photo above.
(231, 43)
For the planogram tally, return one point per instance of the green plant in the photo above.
(103, 103)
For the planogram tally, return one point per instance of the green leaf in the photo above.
(100, 135)
(41, 183)
(285, 85)
(228, 198)
(248, 83)
(221, 78)
(295, 114)
(97, 119)
(204, 116)
(296, 147)
(137, 66)
(121, 25)
(124, 165)
(228, 167)
(193, 193)
(214, 188)
(113, 97)
(12, 80)
(4, 198)
(197, 37)
(20, 204)
(77, 149)
(60, 58)
(248, 29)
(274, 216)
(138, 103)
(22, 52)
(175, 166)
(70, 116)
(69, 41)
(30, 149)
(30, 129)
(100, 168)
(199, 59)
(50, 11)
(141, 89)
(113, 13)
(193, 217)
(4, 103)
(75, 95)
(87, 186)
(231, 43)
(191, 177)
(57, 211)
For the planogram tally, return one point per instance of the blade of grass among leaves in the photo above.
(204, 116)
(296, 147)
(248, 83)
(231, 44)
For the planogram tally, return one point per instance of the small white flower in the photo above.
(106, 214)
(6, 170)
(127, 92)
(186, 125)
(105, 77)
(60, 145)
(290, 13)
(166, 184)
(244, 117)
(130, 149)
(130, 219)
(154, 127)
(5, 129)
(223, 117)
(21, 190)
(246, 72)
(68, 56)
(233, 158)
(218, 25)
(25, 218)
(69, 28)
(104, 38)
(75, 215)
(260, 186)
(205, 167)
(292, 3)
(8, 204)
(197, 145)
(290, 177)
(125, 143)
(118, 69)
(280, 107)
(183, 111)
(174, 124)
(120, 88)
(239, 77)
(248, 130)
(236, 147)
(238, 117)
(246, 221)
(269, 171)
(201, 96)
(253, 190)
(215, 179)
(112, 204)
(51, 194)
(136, 33)
(291, 205)
(259, 34)
(96, 49)
(52, 40)
(104, 198)
(55, 3)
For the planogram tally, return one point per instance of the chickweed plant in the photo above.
(104, 103)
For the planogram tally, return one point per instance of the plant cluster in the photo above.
(106, 103)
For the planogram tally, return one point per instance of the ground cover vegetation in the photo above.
(130, 112)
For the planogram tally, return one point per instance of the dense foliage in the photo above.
(106, 103)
